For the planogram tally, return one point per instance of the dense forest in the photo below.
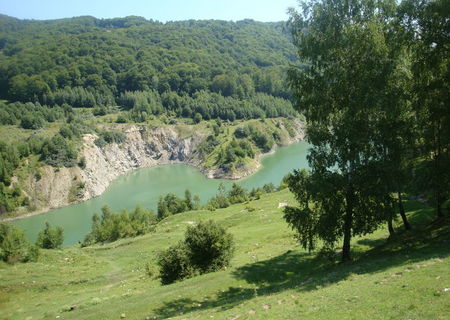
(88, 62)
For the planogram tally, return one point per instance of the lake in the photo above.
(145, 186)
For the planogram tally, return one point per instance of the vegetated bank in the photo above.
(219, 149)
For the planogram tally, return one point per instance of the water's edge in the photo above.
(144, 147)
(146, 185)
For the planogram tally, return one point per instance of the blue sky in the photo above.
(162, 10)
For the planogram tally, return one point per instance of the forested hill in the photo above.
(47, 61)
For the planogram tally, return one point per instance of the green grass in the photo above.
(14, 134)
(270, 276)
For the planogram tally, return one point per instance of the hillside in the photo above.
(109, 57)
(270, 277)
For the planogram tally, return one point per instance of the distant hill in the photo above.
(110, 56)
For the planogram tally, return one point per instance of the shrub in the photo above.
(198, 118)
(32, 121)
(122, 118)
(106, 137)
(112, 226)
(256, 193)
(207, 247)
(58, 152)
(210, 247)
(50, 238)
(171, 204)
(14, 247)
(82, 162)
(174, 264)
(237, 194)
(217, 202)
(284, 182)
(269, 188)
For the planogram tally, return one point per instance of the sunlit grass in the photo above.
(270, 276)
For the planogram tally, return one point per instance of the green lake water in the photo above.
(144, 186)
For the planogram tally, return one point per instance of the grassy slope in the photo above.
(270, 277)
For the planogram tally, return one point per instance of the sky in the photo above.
(161, 10)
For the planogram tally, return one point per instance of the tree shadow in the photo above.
(371, 242)
(305, 272)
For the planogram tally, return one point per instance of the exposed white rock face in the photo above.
(143, 148)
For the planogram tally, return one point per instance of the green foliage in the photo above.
(210, 247)
(171, 204)
(58, 152)
(262, 139)
(256, 193)
(207, 247)
(174, 264)
(197, 118)
(82, 162)
(107, 137)
(429, 65)
(30, 121)
(84, 64)
(284, 182)
(9, 160)
(237, 194)
(14, 247)
(346, 95)
(269, 188)
(213, 105)
(29, 115)
(141, 104)
(112, 226)
(220, 200)
(50, 238)
(207, 146)
(11, 197)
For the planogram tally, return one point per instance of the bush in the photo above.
(218, 202)
(284, 182)
(174, 264)
(106, 137)
(82, 162)
(198, 118)
(237, 194)
(207, 247)
(32, 121)
(210, 246)
(14, 247)
(171, 204)
(269, 188)
(50, 238)
(112, 226)
(58, 152)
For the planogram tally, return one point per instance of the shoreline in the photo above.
(203, 171)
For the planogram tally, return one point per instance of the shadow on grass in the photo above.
(305, 272)
(371, 242)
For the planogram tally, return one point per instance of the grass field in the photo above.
(270, 277)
